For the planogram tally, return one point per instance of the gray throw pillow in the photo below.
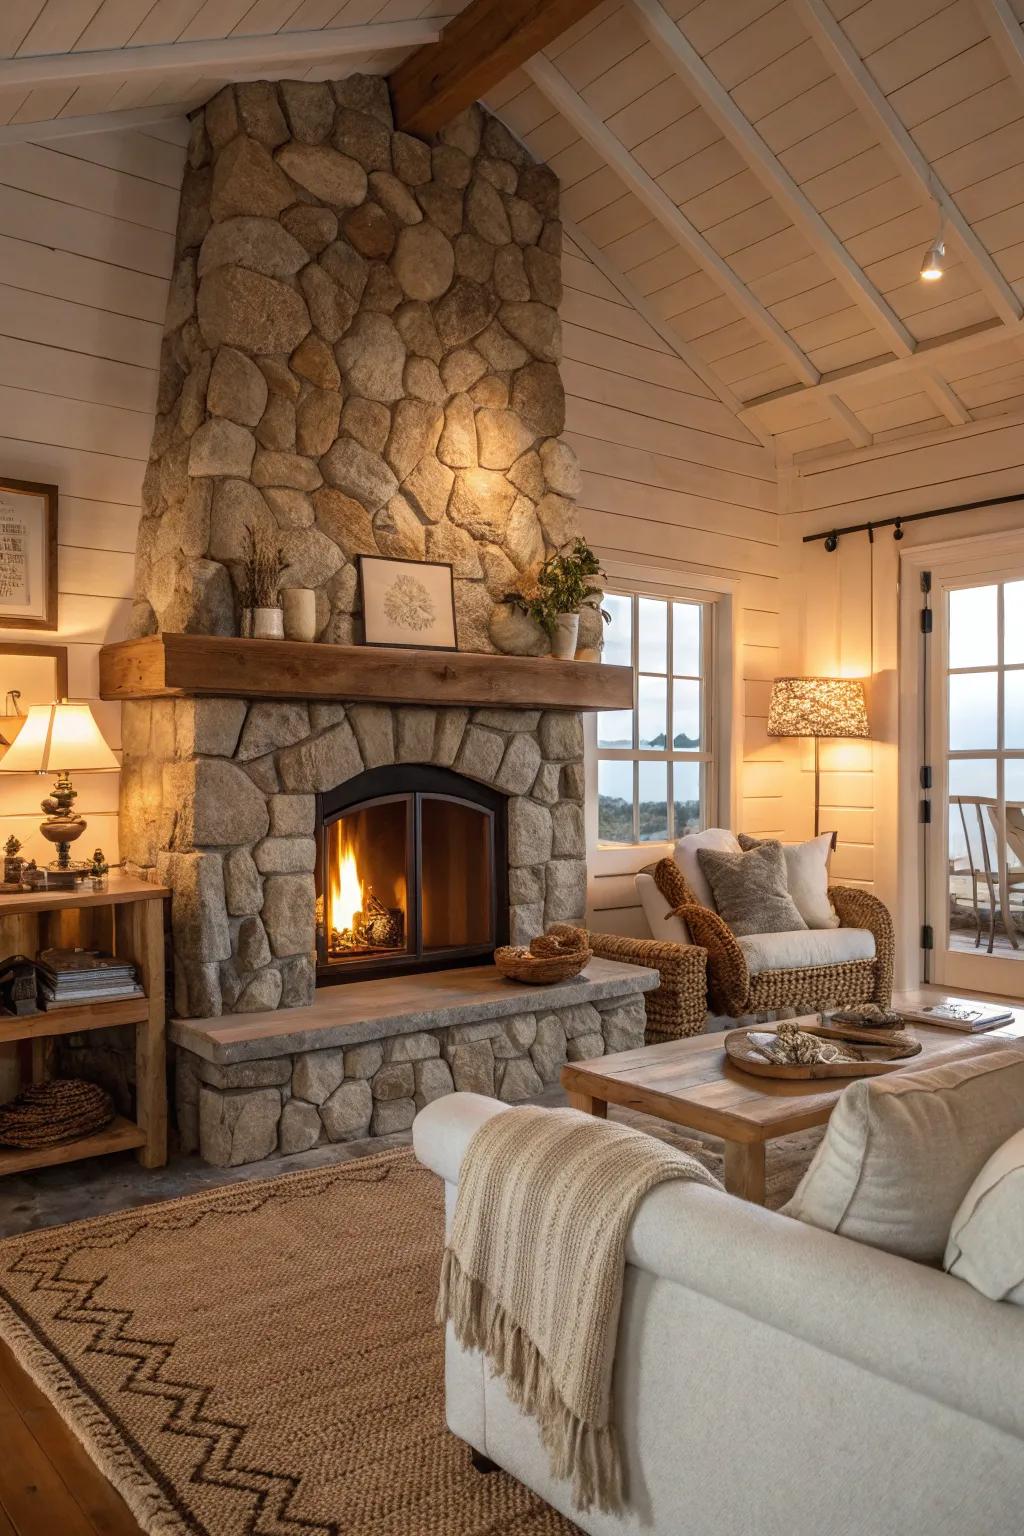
(750, 889)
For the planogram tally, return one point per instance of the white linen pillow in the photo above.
(986, 1240)
(806, 877)
(901, 1151)
(721, 840)
(661, 920)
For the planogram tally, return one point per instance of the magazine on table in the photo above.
(963, 1013)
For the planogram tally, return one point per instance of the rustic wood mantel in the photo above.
(196, 666)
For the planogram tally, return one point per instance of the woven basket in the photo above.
(59, 1110)
(520, 965)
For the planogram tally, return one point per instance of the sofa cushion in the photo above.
(986, 1240)
(661, 920)
(686, 850)
(901, 1151)
(806, 946)
(750, 889)
(806, 877)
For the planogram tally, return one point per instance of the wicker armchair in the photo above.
(733, 990)
(678, 1006)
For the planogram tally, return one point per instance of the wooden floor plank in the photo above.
(48, 1482)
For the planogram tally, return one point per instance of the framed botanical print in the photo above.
(28, 555)
(29, 674)
(408, 602)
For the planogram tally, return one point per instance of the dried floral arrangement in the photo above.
(562, 585)
(262, 569)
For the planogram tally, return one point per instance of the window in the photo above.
(655, 778)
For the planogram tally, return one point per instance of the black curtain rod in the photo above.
(831, 539)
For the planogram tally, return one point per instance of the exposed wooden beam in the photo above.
(946, 398)
(682, 349)
(477, 49)
(99, 122)
(1004, 30)
(858, 81)
(848, 422)
(636, 180)
(219, 55)
(723, 111)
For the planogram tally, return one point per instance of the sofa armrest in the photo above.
(728, 977)
(860, 909)
(443, 1130)
(678, 1006)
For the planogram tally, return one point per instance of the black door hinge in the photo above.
(927, 936)
(926, 812)
(926, 621)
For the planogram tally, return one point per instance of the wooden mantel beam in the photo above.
(477, 49)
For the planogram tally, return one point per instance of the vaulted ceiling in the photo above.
(760, 177)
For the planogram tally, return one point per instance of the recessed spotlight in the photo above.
(932, 267)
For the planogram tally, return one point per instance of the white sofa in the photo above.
(773, 1379)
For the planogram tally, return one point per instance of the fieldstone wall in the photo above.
(361, 355)
(256, 1109)
(218, 801)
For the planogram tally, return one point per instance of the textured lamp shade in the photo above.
(56, 737)
(817, 706)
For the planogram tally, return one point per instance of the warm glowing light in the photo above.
(932, 267)
(347, 898)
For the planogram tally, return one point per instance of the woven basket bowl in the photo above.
(519, 965)
(61, 1109)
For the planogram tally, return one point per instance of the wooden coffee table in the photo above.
(692, 1083)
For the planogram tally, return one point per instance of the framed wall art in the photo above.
(29, 674)
(408, 602)
(28, 555)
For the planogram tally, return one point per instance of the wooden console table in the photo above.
(127, 918)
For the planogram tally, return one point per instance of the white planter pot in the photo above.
(299, 605)
(267, 624)
(563, 641)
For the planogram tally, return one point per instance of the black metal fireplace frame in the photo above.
(413, 782)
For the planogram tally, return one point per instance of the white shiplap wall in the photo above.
(86, 249)
(672, 480)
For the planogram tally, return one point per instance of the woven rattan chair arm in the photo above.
(728, 977)
(861, 909)
(678, 1005)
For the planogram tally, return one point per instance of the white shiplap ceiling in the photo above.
(760, 176)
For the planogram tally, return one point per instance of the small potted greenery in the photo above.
(562, 589)
(262, 570)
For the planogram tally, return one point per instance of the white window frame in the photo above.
(611, 867)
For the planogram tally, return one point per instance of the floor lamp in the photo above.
(817, 707)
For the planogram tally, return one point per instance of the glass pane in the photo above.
(972, 710)
(686, 619)
(972, 784)
(1013, 709)
(618, 632)
(686, 793)
(1013, 622)
(653, 796)
(685, 714)
(652, 710)
(1013, 780)
(973, 627)
(615, 802)
(615, 728)
(367, 882)
(455, 880)
(653, 635)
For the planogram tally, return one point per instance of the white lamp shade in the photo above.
(55, 737)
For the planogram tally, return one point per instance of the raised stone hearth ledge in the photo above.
(175, 666)
(366, 1056)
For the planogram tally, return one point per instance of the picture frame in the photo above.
(28, 554)
(408, 604)
(29, 674)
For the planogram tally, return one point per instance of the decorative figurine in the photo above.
(99, 869)
(12, 863)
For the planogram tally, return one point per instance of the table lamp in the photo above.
(817, 706)
(62, 739)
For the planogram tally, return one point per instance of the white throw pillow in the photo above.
(718, 838)
(986, 1240)
(661, 920)
(807, 878)
(901, 1151)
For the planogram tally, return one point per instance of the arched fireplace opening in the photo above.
(411, 872)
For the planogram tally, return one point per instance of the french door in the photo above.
(973, 778)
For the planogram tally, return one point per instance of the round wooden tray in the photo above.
(875, 1058)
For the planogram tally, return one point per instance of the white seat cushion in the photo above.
(661, 920)
(986, 1240)
(807, 946)
(720, 840)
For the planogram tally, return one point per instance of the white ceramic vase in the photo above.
(267, 624)
(563, 641)
(299, 613)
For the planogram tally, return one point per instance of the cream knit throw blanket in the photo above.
(533, 1269)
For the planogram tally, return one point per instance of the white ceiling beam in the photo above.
(99, 122)
(1004, 30)
(589, 126)
(681, 56)
(857, 80)
(218, 55)
(946, 398)
(848, 422)
(682, 349)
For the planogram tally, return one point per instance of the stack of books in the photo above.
(68, 978)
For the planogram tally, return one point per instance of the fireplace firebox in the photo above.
(411, 873)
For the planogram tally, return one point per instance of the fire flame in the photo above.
(347, 896)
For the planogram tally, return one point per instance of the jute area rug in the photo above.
(262, 1359)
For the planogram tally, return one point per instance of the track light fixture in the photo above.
(832, 543)
(933, 267)
(897, 532)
